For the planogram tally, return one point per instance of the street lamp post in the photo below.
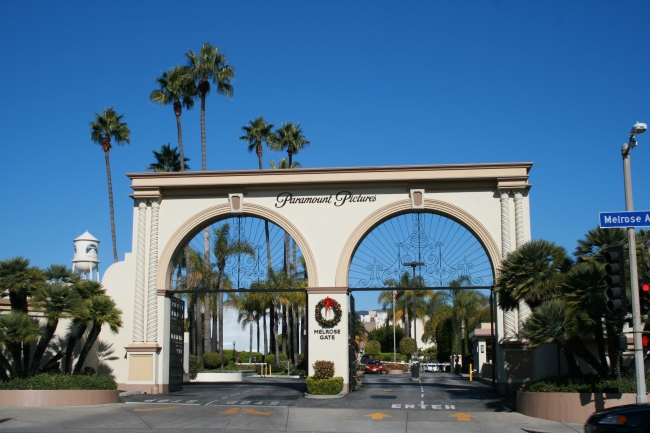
(234, 350)
(415, 370)
(637, 328)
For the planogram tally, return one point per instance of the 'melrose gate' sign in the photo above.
(625, 219)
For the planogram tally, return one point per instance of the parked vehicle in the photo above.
(631, 418)
(374, 366)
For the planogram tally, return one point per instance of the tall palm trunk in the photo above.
(199, 331)
(16, 353)
(78, 329)
(90, 341)
(214, 346)
(43, 341)
(110, 204)
(190, 318)
(207, 319)
(294, 334)
(266, 341)
(259, 154)
(222, 266)
(250, 342)
(203, 159)
(272, 327)
(257, 324)
(178, 110)
(284, 329)
(276, 350)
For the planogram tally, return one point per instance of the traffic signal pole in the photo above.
(641, 392)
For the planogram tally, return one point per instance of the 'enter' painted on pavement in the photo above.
(424, 406)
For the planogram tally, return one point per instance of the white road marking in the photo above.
(436, 406)
(207, 404)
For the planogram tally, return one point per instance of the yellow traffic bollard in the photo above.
(470, 372)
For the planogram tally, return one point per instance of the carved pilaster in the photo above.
(524, 309)
(509, 317)
(152, 298)
(138, 309)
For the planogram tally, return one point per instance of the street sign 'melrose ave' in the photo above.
(625, 219)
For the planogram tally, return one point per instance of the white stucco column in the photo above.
(138, 308)
(509, 317)
(524, 309)
(328, 343)
(152, 296)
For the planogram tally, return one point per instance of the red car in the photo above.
(374, 366)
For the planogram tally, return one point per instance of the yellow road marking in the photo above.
(462, 416)
(378, 415)
(234, 410)
(152, 409)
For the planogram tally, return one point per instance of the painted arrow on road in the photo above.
(462, 416)
(153, 409)
(378, 415)
(234, 410)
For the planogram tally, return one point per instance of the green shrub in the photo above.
(61, 381)
(331, 386)
(230, 355)
(406, 346)
(195, 366)
(270, 358)
(373, 348)
(301, 358)
(323, 370)
(388, 357)
(587, 384)
(244, 357)
(212, 360)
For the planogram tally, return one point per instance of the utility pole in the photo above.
(637, 326)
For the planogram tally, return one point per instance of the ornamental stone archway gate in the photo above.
(327, 212)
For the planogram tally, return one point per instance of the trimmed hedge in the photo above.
(589, 384)
(61, 381)
(212, 360)
(270, 358)
(388, 357)
(331, 386)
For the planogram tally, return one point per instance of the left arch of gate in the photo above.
(201, 219)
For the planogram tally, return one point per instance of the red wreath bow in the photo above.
(328, 304)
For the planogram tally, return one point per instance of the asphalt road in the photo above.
(438, 402)
(435, 391)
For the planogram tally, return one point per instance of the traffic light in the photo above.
(615, 269)
(644, 295)
(645, 340)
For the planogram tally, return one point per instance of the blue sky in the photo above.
(372, 82)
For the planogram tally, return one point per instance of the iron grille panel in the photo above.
(176, 328)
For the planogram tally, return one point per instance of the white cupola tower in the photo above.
(86, 255)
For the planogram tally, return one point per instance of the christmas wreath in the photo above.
(327, 304)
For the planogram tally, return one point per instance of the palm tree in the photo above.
(176, 87)
(533, 273)
(283, 164)
(291, 139)
(208, 65)
(592, 248)
(584, 291)
(18, 280)
(56, 301)
(107, 126)
(257, 132)
(168, 160)
(467, 306)
(247, 306)
(404, 301)
(555, 321)
(100, 310)
(17, 330)
(223, 248)
(60, 274)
